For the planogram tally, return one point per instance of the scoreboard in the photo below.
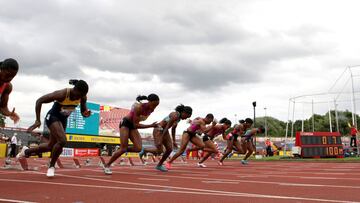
(77, 124)
(320, 144)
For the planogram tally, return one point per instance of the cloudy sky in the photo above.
(216, 56)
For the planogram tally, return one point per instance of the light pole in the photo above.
(254, 105)
(265, 123)
(235, 118)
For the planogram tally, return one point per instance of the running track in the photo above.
(256, 182)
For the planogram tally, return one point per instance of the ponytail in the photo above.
(141, 97)
(180, 108)
(80, 85)
(188, 110)
(261, 129)
(210, 115)
(73, 82)
(225, 121)
(9, 64)
(249, 120)
(151, 97)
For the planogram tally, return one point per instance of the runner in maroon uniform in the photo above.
(129, 125)
(232, 139)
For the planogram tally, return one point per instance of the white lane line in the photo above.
(94, 176)
(321, 178)
(14, 200)
(13, 172)
(187, 191)
(300, 177)
(332, 173)
(268, 174)
(220, 182)
(191, 174)
(239, 180)
(156, 179)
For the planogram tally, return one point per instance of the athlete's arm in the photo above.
(85, 112)
(4, 104)
(54, 96)
(136, 119)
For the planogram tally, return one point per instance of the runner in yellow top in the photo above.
(65, 102)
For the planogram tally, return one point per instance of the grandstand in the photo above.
(24, 137)
(110, 118)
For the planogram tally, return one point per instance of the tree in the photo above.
(277, 128)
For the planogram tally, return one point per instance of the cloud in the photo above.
(196, 47)
(216, 56)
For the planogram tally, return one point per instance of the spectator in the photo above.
(4, 138)
(268, 147)
(13, 144)
(353, 132)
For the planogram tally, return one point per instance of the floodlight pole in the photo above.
(287, 128)
(336, 116)
(353, 99)
(254, 105)
(330, 117)
(313, 116)
(302, 119)
(293, 121)
(265, 123)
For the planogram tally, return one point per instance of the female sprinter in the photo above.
(197, 125)
(247, 142)
(232, 140)
(65, 102)
(208, 138)
(129, 125)
(8, 70)
(162, 136)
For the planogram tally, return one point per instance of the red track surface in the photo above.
(256, 182)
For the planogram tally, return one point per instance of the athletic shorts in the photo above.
(53, 116)
(245, 139)
(207, 138)
(191, 134)
(125, 122)
(233, 137)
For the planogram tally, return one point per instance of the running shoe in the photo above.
(244, 162)
(7, 161)
(220, 163)
(168, 165)
(161, 168)
(50, 172)
(201, 165)
(141, 155)
(22, 152)
(107, 170)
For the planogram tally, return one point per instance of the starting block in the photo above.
(58, 162)
(23, 165)
(76, 163)
(131, 161)
(102, 161)
(153, 159)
